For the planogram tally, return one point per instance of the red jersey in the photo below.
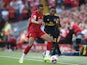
(34, 29)
(11, 12)
(37, 16)
(76, 29)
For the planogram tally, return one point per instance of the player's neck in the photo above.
(39, 12)
(52, 14)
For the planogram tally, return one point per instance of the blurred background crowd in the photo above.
(15, 13)
(15, 10)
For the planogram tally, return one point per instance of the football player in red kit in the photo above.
(34, 30)
(77, 31)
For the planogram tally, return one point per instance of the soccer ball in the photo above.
(53, 59)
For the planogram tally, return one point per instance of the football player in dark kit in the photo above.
(52, 27)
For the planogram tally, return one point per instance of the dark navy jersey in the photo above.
(50, 24)
(50, 20)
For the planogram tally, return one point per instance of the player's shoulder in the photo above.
(34, 12)
(47, 14)
(56, 15)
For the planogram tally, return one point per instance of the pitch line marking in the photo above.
(36, 60)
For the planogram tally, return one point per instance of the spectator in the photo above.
(67, 4)
(52, 3)
(58, 10)
(7, 30)
(16, 31)
(2, 24)
(11, 13)
(1, 15)
(74, 3)
(2, 43)
(11, 43)
(20, 5)
(13, 4)
(59, 2)
(5, 14)
(81, 2)
(26, 12)
(6, 2)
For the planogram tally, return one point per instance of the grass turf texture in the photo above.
(33, 58)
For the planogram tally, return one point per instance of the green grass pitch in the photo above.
(34, 58)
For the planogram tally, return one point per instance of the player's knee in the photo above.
(30, 44)
(50, 39)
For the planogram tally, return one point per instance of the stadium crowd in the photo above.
(69, 11)
(15, 10)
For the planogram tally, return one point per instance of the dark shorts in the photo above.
(52, 32)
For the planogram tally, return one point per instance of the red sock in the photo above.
(27, 49)
(49, 46)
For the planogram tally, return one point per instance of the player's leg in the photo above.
(49, 46)
(49, 40)
(79, 37)
(27, 49)
(56, 50)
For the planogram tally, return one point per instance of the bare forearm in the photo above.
(36, 22)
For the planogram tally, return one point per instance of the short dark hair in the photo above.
(40, 5)
(52, 8)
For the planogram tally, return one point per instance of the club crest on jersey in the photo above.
(47, 19)
(54, 19)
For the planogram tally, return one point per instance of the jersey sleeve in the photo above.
(34, 16)
(45, 17)
(58, 20)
